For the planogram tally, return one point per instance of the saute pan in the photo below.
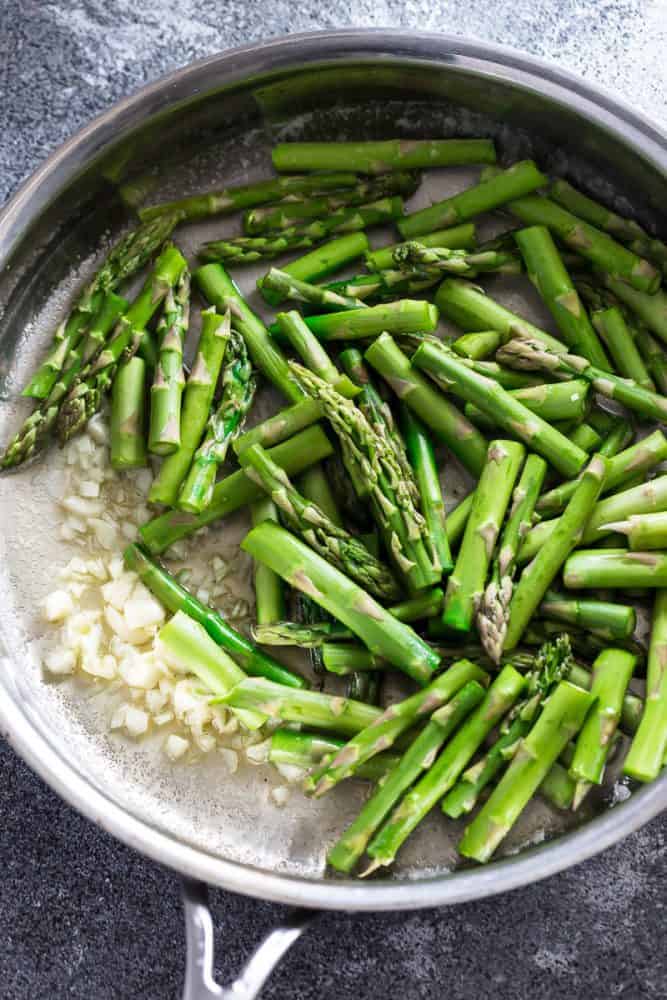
(205, 126)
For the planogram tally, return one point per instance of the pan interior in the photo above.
(233, 816)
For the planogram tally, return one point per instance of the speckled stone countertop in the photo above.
(82, 916)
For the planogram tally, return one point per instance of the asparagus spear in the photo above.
(477, 346)
(281, 426)
(187, 646)
(439, 415)
(286, 633)
(247, 249)
(593, 244)
(372, 461)
(347, 658)
(645, 498)
(493, 614)
(420, 452)
(413, 257)
(644, 531)
(553, 402)
(35, 429)
(639, 457)
(383, 286)
(531, 355)
(519, 179)
(319, 263)
(223, 426)
(651, 308)
(292, 212)
(197, 401)
(381, 157)
(418, 757)
(296, 748)
(385, 729)
(457, 238)
(128, 405)
(611, 621)
(442, 775)
(201, 206)
(510, 414)
(466, 584)
(223, 294)
(582, 434)
(653, 356)
(308, 572)
(614, 331)
(283, 286)
(613, 568)
(552, 665)
(561, 719)
(547, 272)
(314, 356)
(647, 752)
(269, 590)
(457, 520)
(538, 575)
(306, 519)
(295, 455)
(95, 378)
(626, 230)
(406, 316)
(127, 257)
(167, 390)
(612, 671)
(470, 308)
(176, 598)
(310, 708)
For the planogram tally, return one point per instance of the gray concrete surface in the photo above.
(81, 916)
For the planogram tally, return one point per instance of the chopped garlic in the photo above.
(60, 661)
(259, 752)
(175, 747)
(143, 612)
(58, 605)
(139, 670)
(136, 721)
(117, 591)
(230, 759)
(89, 489)
(280, 795)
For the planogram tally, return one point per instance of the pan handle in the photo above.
(199, 981)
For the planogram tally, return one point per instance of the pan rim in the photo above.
(30, 200)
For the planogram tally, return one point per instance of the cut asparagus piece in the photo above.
(383, 732)
(593, 244)
(644, 531)
(306, 519)
(453, 375)
(292, 211)
(615, 568)
(612, 671)
(628, 362)
(639, 457)
(553, 402)
(561, 719)
(295, 455)
(539, 574)
(466, 584)
(442, 775)
(519, 179)
(308, 572)
(248, 249)
(493, 615)
(223, 294)
(167, 390)
(611, 621)
(286, 633)
(415, 391)
(456, 238)
(533, 356)
(296, 748)
(228, 200)
(654, 358)
(647, 752)
(128, 407)
(383, 156)
(419, 757)
(187, 646)
(405, 316)
(422, 459)
(282, 285)
(197, 401)
(547, 272)
(414, 258)
(477, 346)
(470, 308)
(314, 356)
(321, 262)
(224, 425)
(127, 257)
(651, 308)
(176, 598)
(269, 589)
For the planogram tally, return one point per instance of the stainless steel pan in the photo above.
(210, 124)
